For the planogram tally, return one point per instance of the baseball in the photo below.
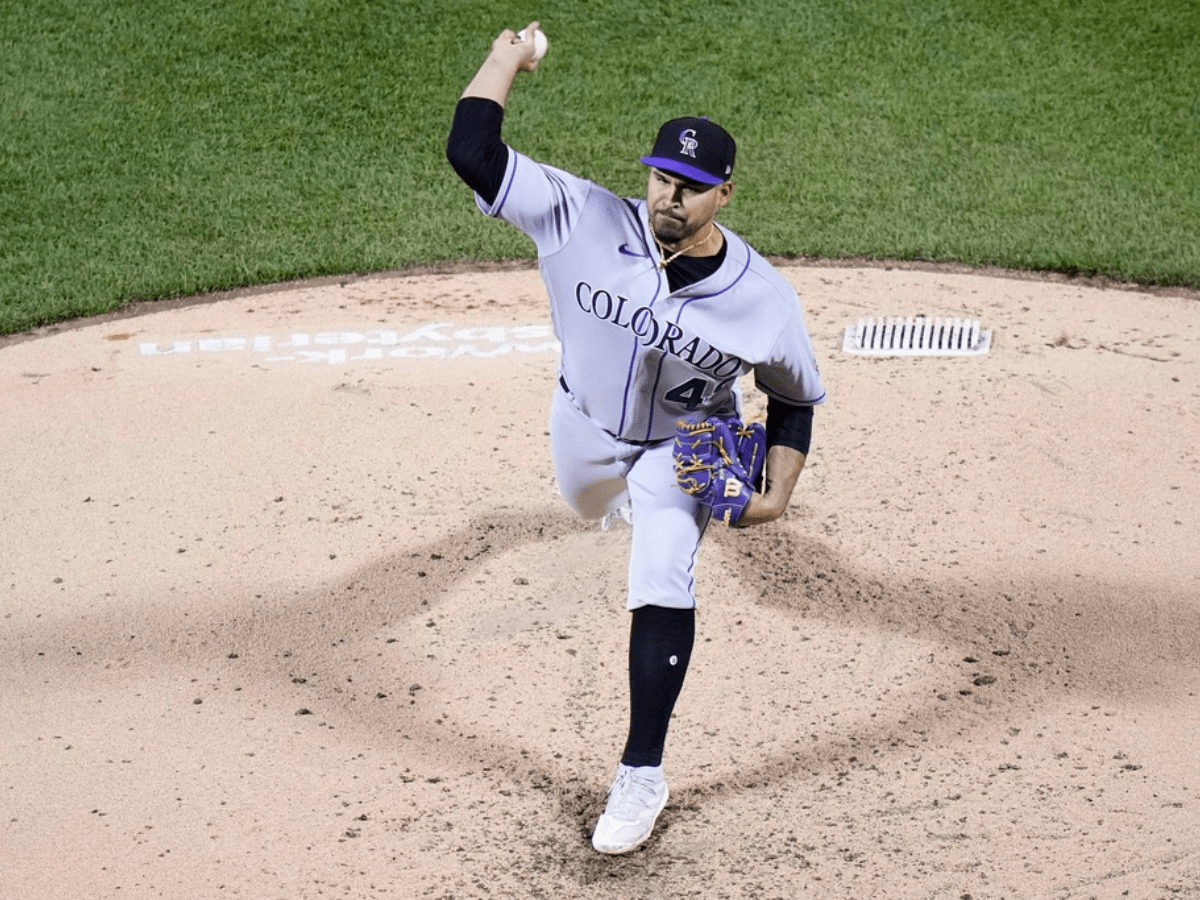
(540, 44)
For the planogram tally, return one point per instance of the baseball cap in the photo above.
(695, 149)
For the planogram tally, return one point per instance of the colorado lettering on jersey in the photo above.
(651, 332)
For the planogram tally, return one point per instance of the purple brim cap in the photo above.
(675, 167)
(697, 149)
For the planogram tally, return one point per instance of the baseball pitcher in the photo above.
(660, 310)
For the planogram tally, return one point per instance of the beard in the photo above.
(670, 230)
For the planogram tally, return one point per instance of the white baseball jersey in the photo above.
(635, 356)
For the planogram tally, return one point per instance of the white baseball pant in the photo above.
(598, 473)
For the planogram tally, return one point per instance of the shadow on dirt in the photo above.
(1018, 644)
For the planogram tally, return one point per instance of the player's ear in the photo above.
(724, 193)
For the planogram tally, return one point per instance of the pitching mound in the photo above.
(291, 608)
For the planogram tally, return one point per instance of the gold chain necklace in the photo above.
(666, 261)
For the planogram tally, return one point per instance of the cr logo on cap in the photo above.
(687, 138)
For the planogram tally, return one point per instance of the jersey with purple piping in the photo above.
(635, 356)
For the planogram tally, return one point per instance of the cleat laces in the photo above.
(631, 796)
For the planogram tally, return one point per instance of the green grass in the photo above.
(153, 149)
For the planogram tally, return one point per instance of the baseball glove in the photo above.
(719, 462)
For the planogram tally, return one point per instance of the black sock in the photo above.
(660, 646)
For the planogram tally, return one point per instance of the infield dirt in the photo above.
(291, 608)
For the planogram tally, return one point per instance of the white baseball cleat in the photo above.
(623, 513)
(634, 802)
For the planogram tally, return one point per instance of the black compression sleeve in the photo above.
(474, 147)
(660, 647)
(789, 425)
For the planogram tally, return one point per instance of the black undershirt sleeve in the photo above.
(474, 148)
(789, 425)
